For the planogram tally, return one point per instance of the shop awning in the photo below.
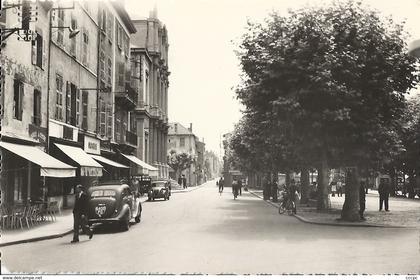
(49, 166)
(108, 161)
(88, 166)
(152, 171)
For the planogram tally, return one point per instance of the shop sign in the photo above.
(92, 145)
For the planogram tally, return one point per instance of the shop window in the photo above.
(37, 108)
(18, 99)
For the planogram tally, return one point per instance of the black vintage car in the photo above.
(160, 189)
(113, 203)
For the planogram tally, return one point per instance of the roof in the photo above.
(122, 12)
(181, 130)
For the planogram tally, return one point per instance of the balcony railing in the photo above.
(127, 99)
(131, 138)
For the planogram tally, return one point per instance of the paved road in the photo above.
(203, 232)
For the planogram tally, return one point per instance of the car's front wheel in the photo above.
(138, 218)
(125, 225)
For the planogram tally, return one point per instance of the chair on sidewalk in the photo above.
(5, 216)
(21, 215)
(52, 210)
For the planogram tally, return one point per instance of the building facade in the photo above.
(149, 64)
(72, 108)
(183, 140)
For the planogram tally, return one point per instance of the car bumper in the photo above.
(111, 220)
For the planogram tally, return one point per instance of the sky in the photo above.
(203, 35)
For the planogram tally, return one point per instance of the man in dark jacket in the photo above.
(80, 214)
(362, 199)
(383, 190)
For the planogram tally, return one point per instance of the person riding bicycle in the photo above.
(289, 196)
(235, 188)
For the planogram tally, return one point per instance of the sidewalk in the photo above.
(404, 212)
(45, 230)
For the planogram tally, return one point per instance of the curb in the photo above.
(35, 239)
(346, 224)
(191, 190)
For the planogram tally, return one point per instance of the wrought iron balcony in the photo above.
(127, 99)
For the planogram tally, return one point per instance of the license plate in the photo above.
(100, 210)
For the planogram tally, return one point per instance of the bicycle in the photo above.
(235, 193)
(220, 190)
(287, 205)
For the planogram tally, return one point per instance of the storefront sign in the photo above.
(92, 145)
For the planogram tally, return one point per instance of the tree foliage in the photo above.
(179, 162)
(325, 86)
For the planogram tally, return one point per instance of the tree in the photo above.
(335, 77)
(179, 162)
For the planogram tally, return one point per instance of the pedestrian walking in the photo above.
(333, 187)
(80, 214)
(240, 186)
(274, 191)
(362, 199)
(184, 181)
(221, 185)
(383, 190)
(339, 189)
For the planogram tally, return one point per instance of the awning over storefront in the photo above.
(152, 171)
(108, 161)
(88, 166)
(49, 166)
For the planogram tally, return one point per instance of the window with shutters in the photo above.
(37, 108)
(77, 103)
(102, 118)
(109, 121)
(118, 128)
(85, 110)
(60, 22)
(18, 92)
(59, 98)
(68, 103)
(121, 74)
(73, 41)
(109, 27)
(119, 36)
(72, 108)
(85, 48)
(126, 45)
(133, 122)
(37, 50)
(102, 66)
(182, 142)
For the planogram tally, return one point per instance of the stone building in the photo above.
(149, 64)
(26, 167)
(70, 108)
(183, 140)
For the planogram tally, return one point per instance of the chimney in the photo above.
(190, 129)
(176, 128)
(153, 13)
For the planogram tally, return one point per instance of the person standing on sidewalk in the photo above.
(383, 190)
(80, 214)
(362, 199)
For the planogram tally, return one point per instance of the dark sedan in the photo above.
(113, 203)
(160, 189)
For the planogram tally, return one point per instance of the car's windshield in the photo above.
(158, 185)
(103, 193)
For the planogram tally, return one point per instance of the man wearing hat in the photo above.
(80, 214)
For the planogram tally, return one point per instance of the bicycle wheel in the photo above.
(281, 209)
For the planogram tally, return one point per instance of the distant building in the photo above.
(183, 140)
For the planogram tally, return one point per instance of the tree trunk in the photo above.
(411, 184)
(350, 211)
(323, 172)
(304, 182)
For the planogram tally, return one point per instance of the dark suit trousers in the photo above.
(80, 222)
(383, 199)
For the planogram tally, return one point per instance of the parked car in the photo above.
(113, 203)
(160, 189)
